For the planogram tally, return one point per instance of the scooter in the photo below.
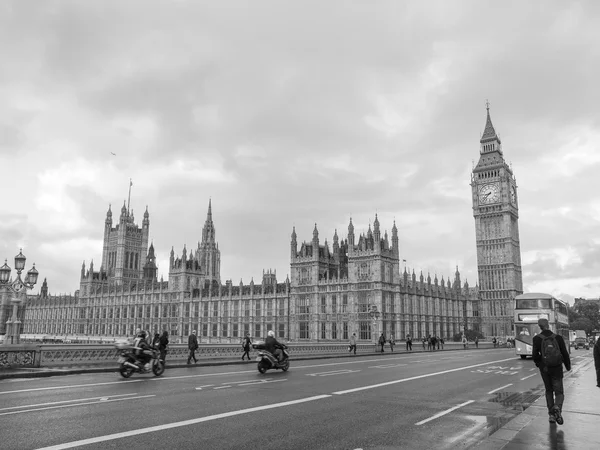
(130, 364)
(266, 360)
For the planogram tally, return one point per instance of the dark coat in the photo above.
(246, 343)
(537, 350)
(192, 342)
(597, 354)
(163, 341)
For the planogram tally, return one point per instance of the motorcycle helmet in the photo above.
(271, 333)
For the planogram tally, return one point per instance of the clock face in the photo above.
(513, 195)
(489, 193)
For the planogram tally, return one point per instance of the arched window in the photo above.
(136, 260)
(126, 259)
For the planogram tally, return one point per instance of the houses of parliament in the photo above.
(354, 286)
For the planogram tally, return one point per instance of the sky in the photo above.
(291, 114)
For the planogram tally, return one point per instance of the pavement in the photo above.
(581, 412)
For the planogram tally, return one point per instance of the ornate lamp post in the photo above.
(17, 287)
(374, 329)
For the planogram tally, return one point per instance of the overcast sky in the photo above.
(295, 113)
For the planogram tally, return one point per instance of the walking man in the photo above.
(352, 343)
(246, 346)
(476, 342)
(192, 346)
(408, 343)
(549, 355)
(382, 341)
(392, 343)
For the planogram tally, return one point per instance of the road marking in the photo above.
(529, 376)
(248, 381)
(76, 404)
(68, 387)
(222, 387)
(167, 426)
(443, 413)
(65, 401)
(387, 366)
(331, 372)
(206, 385)
(373, 386)
(500, 388)
(260, 382)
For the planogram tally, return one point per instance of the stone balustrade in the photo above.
(98, 355)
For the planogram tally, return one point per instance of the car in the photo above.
(581, 343)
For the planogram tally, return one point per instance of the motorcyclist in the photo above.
(142, 349)
(273, 346)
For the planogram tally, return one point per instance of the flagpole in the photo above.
(129, 196)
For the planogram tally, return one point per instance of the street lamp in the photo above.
(17, 287)
(374, 316)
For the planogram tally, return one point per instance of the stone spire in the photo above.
(489, 133)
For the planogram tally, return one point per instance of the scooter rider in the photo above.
(273, 346)
(141, 349)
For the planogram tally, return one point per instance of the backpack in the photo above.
(551, 355)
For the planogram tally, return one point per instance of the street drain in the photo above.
(516, 400)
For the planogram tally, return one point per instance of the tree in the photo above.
(588, 311)
(582, 324)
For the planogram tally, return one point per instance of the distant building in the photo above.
(587, 301)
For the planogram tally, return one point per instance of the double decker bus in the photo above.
(531, 307)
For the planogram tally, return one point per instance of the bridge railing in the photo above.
(98, 355)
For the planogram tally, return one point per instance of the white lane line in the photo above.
(373, 386)
(331, 372)
(261, 382)
(222, 387)
(529, 376)
(443, 413)
(68, 387)
(500, 388)
(167, 426)
(247, 381)
(206, 385)
(386, 366)
(66, 401)
(76, 404)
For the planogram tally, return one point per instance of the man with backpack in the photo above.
(549, 355)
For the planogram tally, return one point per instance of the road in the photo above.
(416, 401)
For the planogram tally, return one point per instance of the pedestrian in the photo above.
(597, 361)
(424, 343)
(163, 341)
(155, 340)
(408, 343)
(382, 341)
(442, 342)
(508, 345)
(494, 341)
(246, 346)
(192, 346)
(352, 343)
(429, 343)
(464, 342)
(549, 355)
(392, 343)
(476, 342)
(437, 339)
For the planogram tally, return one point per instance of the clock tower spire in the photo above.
(496, 213)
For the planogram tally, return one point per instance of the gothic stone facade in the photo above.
(355, 287)
(496, 213)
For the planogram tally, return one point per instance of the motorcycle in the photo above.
(130, 364)
(266, 360)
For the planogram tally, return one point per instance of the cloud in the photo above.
(294, 114)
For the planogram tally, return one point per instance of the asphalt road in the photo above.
(414, 401)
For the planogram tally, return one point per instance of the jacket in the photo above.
(271, 344)
(192, 342)
(597, 354)
(537, 350)
(352, 340)
(246, 343)
(163, 341)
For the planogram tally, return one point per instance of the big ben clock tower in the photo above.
(496, 213)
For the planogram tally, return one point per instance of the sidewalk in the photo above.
(531, 429)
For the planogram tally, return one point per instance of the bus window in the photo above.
(533, 303)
